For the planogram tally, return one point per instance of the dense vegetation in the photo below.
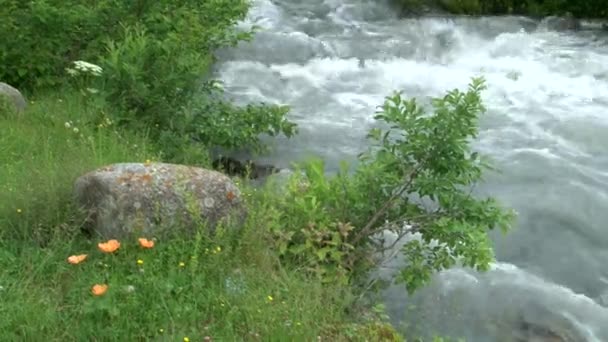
(577, 8)
(300, 266)
(155, 56)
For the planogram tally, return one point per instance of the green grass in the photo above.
(226, 295)
(41, 158)
(237, 292)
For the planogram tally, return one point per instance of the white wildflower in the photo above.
(89, 68)
(67, 125)
(76, 130)
(72, 72)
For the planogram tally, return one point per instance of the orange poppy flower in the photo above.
(99, 289)
(109, 246)
(145, 243)
(230, 195)
(77, 259)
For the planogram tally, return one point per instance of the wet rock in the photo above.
(533, 333)
(565, 23)
(14, 96)
(156, 199)
(246, 169)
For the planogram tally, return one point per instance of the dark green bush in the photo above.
(580, 9)
(47, 35)
(156, 57)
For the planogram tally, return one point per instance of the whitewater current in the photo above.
(546, 130)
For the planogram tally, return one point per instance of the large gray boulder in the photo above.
(14, 96)
(156, 198)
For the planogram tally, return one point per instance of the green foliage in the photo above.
(44, 150)
(155, 71)
(50, 34)
(156, 58)
(462, 6)
(432, 157)
(235, 292)
(180, 288)
(580, 9)
(420, 171)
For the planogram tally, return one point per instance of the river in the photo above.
(546, 129)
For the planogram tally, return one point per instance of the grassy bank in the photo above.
(229, 288)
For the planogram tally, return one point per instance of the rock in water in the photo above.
(14, 96)
(565, 23)
(157, 198)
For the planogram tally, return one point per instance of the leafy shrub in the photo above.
(462, 6)
(50, 34)
(581, 9)
(156, 57)
(416, 178)
(156, 82)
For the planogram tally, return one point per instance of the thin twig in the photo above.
(366, 230)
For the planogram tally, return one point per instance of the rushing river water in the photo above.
(334, 61)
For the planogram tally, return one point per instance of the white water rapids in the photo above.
(334, 61)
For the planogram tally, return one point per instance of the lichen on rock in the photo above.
(157, 198)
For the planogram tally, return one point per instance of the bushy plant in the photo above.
(417, 178)
(462, 6)
(156, 58)
(581, 9)
(50, 34)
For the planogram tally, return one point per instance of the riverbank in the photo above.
(223, 289)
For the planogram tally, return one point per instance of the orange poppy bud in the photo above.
(99, 289)
(77, 259)
(109, 247)
(145, 243)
